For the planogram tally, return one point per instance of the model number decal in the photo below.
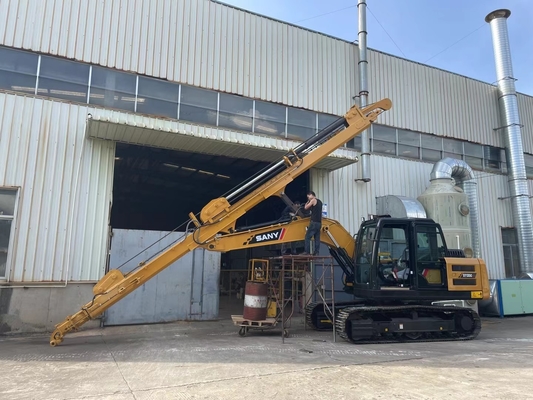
(468, 275)
(268, 236)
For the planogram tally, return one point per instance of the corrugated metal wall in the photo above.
(198, 42)
(215, 46)
(65, 191)
(349, 201)
(525, 107)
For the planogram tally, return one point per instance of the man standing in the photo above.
(313, 230)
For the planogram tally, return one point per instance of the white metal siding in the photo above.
(208, 44)
(429, 100)
(66, 185)
(349, 201)
(197, 42)
(525, 107)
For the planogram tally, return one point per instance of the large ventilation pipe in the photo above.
(460, 171)
(510, 119)
(363, 88)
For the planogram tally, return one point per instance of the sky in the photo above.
(447, 34)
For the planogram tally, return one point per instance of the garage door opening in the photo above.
(154, 191)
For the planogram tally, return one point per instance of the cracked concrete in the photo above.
(208, 360)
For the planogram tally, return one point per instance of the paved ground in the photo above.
(208, 360)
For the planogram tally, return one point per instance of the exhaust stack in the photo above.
(510, 120)
(363, 88)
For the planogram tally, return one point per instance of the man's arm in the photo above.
(310, 204)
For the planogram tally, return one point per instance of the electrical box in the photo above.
(515, 296)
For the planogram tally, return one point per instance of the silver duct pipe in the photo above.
(450, 168)
(507, 99)
(363, 88)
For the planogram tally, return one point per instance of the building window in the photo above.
(528, 158)
(7, 214)
(474, 155)
(157, 97)
(453, 148)
(301, 124)
(198, 105)
(493, 158)
(384, 140)
(235, 112)
(269, 119)
(408, 144)
(511, 257)
(431, 148)
(49, 76)
(62, 79)
(112, 89)
(18, 70)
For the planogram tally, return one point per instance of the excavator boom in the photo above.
(219, 216)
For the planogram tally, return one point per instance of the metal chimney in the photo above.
(513, 139)
(363, 89)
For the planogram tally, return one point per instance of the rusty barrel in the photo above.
(255, 301)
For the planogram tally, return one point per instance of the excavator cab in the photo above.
(407, 259)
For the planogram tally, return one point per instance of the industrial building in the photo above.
(119, 118)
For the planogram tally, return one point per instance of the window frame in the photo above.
(13, 229)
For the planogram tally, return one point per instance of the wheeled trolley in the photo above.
(247, 324)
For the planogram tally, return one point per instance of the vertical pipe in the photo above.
(510, 120)
(363, 88)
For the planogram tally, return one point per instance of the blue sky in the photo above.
(421, 30)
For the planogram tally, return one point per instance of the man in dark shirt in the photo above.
(315, 225)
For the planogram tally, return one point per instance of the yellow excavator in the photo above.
(391, 295)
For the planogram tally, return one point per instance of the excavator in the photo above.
(394, 269)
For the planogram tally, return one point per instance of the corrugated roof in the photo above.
(176, 135)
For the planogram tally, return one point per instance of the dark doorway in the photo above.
(155, 189)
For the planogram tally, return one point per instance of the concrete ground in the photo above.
(208, 360)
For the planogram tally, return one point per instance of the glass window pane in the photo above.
(431, 155)
(269, 118)
(509, 236)
(157, 97)
(18, 70)
(456, 156)
(7, 202)
(112, 89)
(384, 147)
(474, 162)
(5, 232)
(528, 158)
(453, 146)
(324, 120)
(492, 153)
(63, 79)
(384, 133)
(409, 138)
(18, 61)
(302, 124)
(493, 157)
(491, 165)
(235, 112)
(431, 142)
(475, 150)
(198, 105)
(64, 70)
(408, 151)
(356, 143)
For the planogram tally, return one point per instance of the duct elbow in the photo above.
(451, 168)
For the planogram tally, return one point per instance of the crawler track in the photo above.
(318, 317)
(392, 324)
